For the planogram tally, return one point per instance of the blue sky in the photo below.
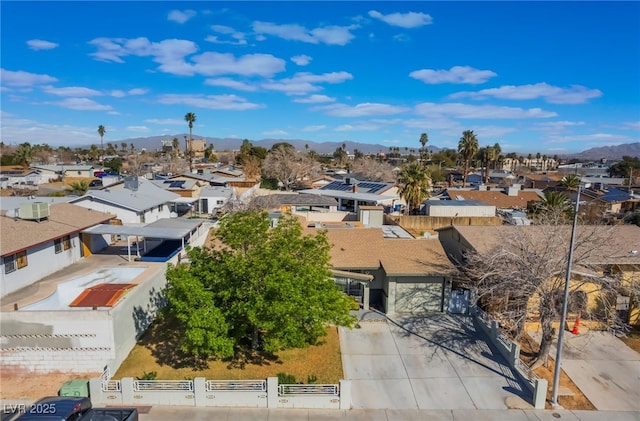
(548, 77)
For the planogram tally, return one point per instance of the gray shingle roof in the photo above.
(146, 197)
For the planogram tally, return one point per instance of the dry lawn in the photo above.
(23, 385)
(159, 351)
(632, 340)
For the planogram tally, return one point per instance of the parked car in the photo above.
(71, 408)
(515, 217)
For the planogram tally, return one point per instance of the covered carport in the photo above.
(163, 229)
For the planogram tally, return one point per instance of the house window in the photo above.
(21, 259)
(58, 245)
(219, 202)
(63, 243)
(79, 173)
(10, 264)
(15, 262)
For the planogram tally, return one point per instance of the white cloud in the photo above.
(212, 102)
(238, 38)
(357, 127)
(118, 93)
(181, 16)
(331, 35)
(165, 121)
(403, 20)
(72, 91)
(459, 110)
(304, 82)
(314, 128)
(558, 125)
(211, 64)
(575, 94)
(633, 125)
(39, 44)
(360, 110)
(230, 83)
(457, 74)
(138, 129)
(301, 60)
(275, 133)
(22, 79)
(314, 99)
(171, 53)
(592, 139)
(83, 104)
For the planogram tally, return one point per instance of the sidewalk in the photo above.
(160, 413)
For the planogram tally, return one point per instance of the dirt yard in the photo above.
(23, 385)
(528, 348)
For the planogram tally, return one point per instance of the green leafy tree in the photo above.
(23, 155)
(259, 289)
(414, 180)
(467, 148)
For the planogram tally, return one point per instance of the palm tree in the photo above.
(467, 148)
(544, 161)
(497, 155)
(570, 181)
(78, 188)
(554, 207)
(101, 132)
(190, 118)
(492, 156)
(538, 160)
(529, 160)
(414, 180)
(424, 138)
(175, 143)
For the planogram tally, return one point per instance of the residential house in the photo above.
(136, 200)
(395, 275)
(612, 249)
(512, 197)
(352, 193)
(39, 239)
(213, 198)
(55, 171)
(296, 203)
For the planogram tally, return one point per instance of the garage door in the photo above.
(418, 297)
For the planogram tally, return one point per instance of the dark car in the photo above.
(95, 183)
(57, 408)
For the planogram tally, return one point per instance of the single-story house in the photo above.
(396, 275)
(351, 193)
(136, 200)
(512, 197)
(40, 239)
(213, 198)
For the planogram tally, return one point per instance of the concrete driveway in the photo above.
(436, 361)
(603, 367)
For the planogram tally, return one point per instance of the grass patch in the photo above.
(632, 339)
(158, 351)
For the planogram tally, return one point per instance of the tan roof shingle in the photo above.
(64, 219)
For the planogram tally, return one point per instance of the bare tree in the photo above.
(289, 166)
(520, 273)
(372, 170)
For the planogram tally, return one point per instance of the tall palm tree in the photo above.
(414, 180)
(529, 160)
(467, 148)
(424, 138)
(101, 132)
(538, 160)
(190, 118)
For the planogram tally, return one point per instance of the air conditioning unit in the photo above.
(34, 211)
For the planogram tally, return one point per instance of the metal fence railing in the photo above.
(308, 389)
(236, 385)
(157, 385)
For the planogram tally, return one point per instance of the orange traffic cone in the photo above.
(576, 325)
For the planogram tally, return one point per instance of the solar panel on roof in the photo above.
(176, 184)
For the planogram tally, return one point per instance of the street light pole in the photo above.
(565, 301)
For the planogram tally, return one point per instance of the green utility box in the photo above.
(78, 387)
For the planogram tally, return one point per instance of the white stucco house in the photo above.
(40, 239)
(213, 198)
(135, 202)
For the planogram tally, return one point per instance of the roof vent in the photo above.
(34, 211)
(634, 252)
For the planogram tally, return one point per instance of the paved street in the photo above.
(438, 361)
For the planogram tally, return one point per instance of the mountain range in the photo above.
(221, 144)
